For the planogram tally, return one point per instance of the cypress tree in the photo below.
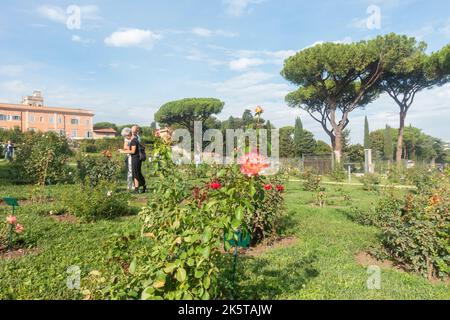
(298, 133)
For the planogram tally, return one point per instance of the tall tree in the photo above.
(415, 72)
(367, 144)
(388, 150)
(185, 112)
(335, 79)
(307, 144)
(247, 118)
(298, 133)
(287, 142)
(153, 125)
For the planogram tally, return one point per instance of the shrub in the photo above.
(42, 158)
(338, 174)
(320, 198)
(370, 181)
(92, 203)
(187, 229)
(95, 168)
(424, 180)
(312, 182)
(416, 230)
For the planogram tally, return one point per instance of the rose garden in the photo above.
(69, 229)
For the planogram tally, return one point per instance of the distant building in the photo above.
(33, 115)
(447, 145)
(104, 133)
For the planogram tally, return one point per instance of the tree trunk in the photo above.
(401, 132)
(337, 147)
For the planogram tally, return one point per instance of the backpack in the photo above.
(141, 150)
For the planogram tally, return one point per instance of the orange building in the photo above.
(33, 115)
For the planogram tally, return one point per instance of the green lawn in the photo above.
(320, 264)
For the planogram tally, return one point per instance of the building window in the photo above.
(60, 120)
(3, 117)
(41, 119)
(88, 134)
(74, 121)
(74, 133)
(51, 120)
(31, 118)
(16, 118)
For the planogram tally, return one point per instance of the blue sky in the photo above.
(129, 57)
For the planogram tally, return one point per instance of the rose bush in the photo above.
(99, 202)
(9, 231)
(189, 227)
(95, 168)
(42, 158)
(416, 229)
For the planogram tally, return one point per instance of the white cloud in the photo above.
(237, 8)
(81, 40)
(346, 40)
(133, 38)
(244, 59)
(206, 33)
(60, 14)
(53, 13)
(245, 63)
(202, 32)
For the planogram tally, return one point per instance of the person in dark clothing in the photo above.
(136, 165)
(9, 151)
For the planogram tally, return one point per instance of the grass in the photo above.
(321, 264)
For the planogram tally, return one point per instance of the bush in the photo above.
(338, 173)
(370, 181)
(189, 228)
(416, 230)
(93, 203)
(42, 158)
(312, 182)
(95, 168)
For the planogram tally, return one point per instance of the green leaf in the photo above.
(181, 275)
(235, 224)
(239, 213)
(148, 293)
(199, 273)
(132, 267)
(169, 268)
(207, 282)
(206, 252)
(190, 262)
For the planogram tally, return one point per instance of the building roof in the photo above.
(109, 130)
(21, 107)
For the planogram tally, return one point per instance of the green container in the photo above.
(243, 240)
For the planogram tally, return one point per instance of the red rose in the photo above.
(267, 187)
(216, 185)
(280, 188)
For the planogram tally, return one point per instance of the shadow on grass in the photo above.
(261, 278)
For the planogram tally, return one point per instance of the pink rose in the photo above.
(19, 228)
(11, 220)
